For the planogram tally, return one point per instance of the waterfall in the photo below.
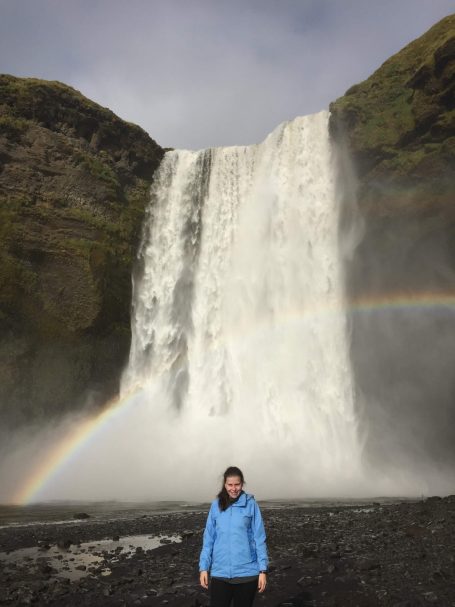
(239, 337)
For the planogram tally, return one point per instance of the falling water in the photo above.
(239, 335)
(240, 352)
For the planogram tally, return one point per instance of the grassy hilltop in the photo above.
(400, 127)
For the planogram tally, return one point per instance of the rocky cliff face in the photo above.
(399, 127)
(74, 182)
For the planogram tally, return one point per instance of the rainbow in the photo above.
(68, 447)
(434, 301)
(74, 442)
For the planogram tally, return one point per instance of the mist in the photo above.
(403, 352)
(342, 402)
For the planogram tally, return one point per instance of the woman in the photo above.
(234, 549)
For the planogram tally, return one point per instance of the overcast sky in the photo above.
(200, 73)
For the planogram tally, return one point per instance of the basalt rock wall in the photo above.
(74, 183)
(398, 128)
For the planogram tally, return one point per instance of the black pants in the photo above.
(222, 593)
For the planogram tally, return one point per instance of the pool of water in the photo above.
(87, 558)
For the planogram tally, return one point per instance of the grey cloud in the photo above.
(201, 73)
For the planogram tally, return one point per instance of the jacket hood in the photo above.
(243, 500)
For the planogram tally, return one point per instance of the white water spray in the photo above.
(240, 354)
(239, 333)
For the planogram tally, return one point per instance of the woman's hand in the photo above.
(262, 582)
(204, 579)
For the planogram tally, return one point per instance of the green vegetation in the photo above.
(396, 122)
(12, 127)
(73, 191)
(99, 169)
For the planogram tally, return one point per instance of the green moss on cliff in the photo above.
(12, 127)
(100, 169)
(60, 108)
(73, 190)
(397, 122)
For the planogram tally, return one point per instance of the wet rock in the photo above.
(304, 581)
(47, 569)
(165, 540)
(301, 570)
(151, 592)
(64, 543)
(81, 515)
(415, 531)
(187, 533)
(366, 564)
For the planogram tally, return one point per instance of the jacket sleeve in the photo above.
(260, 538)
(205, 560)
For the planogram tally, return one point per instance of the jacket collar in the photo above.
(241, 501)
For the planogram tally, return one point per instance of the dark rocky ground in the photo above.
(382, 554)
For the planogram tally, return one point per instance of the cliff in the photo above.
(398, 127)
(74, 182)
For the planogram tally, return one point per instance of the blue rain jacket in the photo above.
(234, 540)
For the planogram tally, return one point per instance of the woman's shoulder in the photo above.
(215, 505)
(250, 501)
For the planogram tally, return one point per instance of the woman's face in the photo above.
(233, 486)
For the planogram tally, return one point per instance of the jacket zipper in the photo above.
(230, 547)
